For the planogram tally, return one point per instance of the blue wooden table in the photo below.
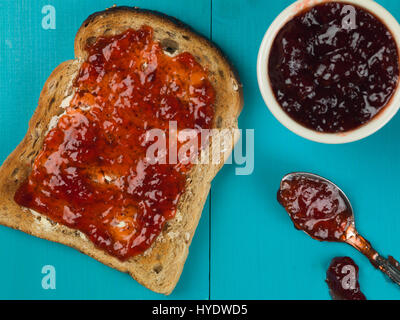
(245, 246)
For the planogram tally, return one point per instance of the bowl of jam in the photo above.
(329, 70)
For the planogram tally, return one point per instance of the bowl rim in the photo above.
(367, 129)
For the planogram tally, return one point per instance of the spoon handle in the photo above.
(389, 266)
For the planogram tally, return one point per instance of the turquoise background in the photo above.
(245, 246)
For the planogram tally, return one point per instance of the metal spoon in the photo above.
(389, 265)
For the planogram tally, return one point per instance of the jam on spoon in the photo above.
(316, 207)
(321, 209)
(342, 280)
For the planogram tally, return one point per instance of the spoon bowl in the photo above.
(293, 175)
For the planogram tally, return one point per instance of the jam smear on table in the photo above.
(315, 207)
(342, 279)
(331, 76)
(92, 173)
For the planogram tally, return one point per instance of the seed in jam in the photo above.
(315, 207)
(92, 173)
(342, 280)
(331, 78)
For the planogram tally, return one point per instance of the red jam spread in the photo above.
(342, 279)
(315, 207)
(330, 76)
(92, 173)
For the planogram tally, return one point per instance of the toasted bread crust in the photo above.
(158, 268)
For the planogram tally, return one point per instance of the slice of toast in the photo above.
(159, 267)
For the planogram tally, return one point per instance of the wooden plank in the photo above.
(28, 54)
(255, 251)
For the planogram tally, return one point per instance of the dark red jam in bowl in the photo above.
(342, 279)
(315, 207)
(331, 74)
(92, 174)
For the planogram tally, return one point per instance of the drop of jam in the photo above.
(342, 279)
(315, 207)
(92, 173)
(328, 76)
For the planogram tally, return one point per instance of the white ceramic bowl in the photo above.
(365, 130)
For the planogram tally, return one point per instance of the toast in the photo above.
(159, 267)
